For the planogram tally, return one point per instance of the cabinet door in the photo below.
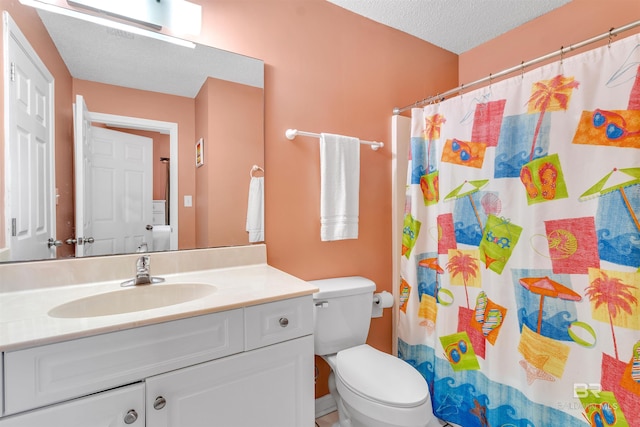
(268, 387)
(121, 407)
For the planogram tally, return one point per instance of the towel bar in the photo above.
(292, 133)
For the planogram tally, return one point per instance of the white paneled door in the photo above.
(122, 192)
(29, 163)
(114, 197)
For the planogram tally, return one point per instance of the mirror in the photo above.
(176, 95)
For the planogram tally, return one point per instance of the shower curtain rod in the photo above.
(440, 97)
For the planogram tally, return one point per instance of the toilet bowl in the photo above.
(379, 390)
(371, 388)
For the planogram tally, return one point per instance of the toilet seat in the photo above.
(380, 377)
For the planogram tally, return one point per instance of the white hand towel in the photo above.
(255, 210)
(339, 187)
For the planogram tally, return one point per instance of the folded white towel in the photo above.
(339, 187)
(255, 210)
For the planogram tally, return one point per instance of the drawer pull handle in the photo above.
(131, 417)
(159, 403)
(284, 322)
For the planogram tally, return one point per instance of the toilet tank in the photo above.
(341, 313)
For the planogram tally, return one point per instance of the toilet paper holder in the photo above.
(381, 300)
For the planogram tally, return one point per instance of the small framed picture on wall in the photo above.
(200, 152)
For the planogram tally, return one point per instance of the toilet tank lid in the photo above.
(342, 287)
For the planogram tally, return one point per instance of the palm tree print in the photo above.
(432, 126)
(465, 265)
(617, 297)
(549, 95)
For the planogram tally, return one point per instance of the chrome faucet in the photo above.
(143, 273)
(143, 270)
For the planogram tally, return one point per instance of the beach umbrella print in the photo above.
(545, 287)
(616, 180)
(467, 188)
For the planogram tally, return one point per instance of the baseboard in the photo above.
(325, 405)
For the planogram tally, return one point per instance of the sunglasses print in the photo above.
(454, 351)
(463, 149)
(615, 124)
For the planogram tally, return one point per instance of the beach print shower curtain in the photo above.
(520, 279)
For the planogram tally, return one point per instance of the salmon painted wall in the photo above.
(155, 106)
(230, 119)
(572, 23)
(26, 19)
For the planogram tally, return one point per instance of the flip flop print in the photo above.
(548, 177)
(481, 306)
(527, 180)
(635, 367)
(488, 319)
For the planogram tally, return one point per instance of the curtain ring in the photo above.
(561, 55)
(611, 35)
(490, 80)
(461, 91)
(522, 70)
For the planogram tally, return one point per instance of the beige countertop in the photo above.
(25, 320)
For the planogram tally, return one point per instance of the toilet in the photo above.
(371, 388)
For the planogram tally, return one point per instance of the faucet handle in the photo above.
(142, 265)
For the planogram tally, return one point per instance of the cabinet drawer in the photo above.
(278, 321)
(114, 408)
(52, 373)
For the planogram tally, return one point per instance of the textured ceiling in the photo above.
(96, 53)
(454, 25)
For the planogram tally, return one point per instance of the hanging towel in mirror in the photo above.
(255, 210)
(339, 187)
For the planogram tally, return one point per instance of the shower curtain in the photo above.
(520, 279)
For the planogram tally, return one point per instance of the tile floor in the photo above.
(327, 420)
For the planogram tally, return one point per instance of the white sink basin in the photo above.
(129, 300)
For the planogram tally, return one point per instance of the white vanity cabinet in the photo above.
(244, 367)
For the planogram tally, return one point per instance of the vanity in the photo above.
(235, 350)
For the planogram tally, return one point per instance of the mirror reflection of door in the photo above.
(81, 128)
(114, 201)
(29, 171)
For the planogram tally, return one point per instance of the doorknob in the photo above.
(52, 242)
(149, 227)
(79, 241)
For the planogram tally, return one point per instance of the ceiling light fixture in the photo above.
(43, 5)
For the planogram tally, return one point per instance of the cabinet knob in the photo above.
(284, 322)
(159, 403)
(131, 417)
